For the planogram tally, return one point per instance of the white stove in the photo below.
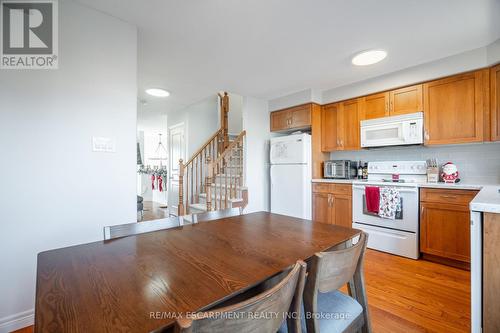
(399, 236)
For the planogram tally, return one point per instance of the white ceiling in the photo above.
(269, 48)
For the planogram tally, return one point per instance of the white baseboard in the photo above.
(17, 321)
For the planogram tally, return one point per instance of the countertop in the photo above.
(486, 201)
(457, 186)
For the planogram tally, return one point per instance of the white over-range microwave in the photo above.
(393, 131)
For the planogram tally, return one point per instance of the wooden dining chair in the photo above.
(215, 215)
(123, 230)
(329, 271)
(279, 302)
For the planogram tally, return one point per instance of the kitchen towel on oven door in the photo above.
(390, 202)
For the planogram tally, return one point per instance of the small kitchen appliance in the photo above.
(340, 169)
(393, 131)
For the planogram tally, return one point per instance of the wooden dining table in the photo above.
(141, 283)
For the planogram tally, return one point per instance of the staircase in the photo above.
(213, 178)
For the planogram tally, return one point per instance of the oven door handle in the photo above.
(401, 189)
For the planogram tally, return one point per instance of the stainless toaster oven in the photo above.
(340, 169)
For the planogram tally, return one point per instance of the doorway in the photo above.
(177, 146)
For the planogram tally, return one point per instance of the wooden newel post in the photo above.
(208, 183)
(180, 207)
(225, 125)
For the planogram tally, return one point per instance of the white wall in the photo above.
(235, 116)
(55, 191)
(201, 120)
(494, 50)
(462, 62)
(477, 163)
(297, 98)
(256, 124)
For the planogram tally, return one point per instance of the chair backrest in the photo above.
(283, 298)
(335, 269)
(215, 215)
(123, 230)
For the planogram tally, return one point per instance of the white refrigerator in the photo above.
(291, 175)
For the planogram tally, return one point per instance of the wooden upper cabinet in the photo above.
(393, 103)
(495, 103)
(406, 100)
(279, 120)
(376, 106)
(300, 116)
(340, 125)
(455, 108)
(291, 118)
(348, 119)
(329, 136)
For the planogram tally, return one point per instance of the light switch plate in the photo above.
(103, 144)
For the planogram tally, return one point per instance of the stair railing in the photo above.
(225, 176)
(193, 173)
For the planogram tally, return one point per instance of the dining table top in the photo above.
(141, 283)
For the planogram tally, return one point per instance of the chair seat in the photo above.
(337, 312)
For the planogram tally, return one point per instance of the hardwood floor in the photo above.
(413, 295)
(408, 295)
(153, 211)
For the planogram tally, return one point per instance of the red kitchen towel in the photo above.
(372, 194)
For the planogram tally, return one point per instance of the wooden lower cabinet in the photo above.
(332, 204)
(491, 273)
(321, 208)
(444, 230)
(342, 210)
(445, 226)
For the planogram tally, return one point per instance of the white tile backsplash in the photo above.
(477, 163)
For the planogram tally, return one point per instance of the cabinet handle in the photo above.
(392, 106)
(333, 200)
(448, 196)
(386, 107)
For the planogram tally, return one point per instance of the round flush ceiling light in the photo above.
(369, 57)
(157, 92)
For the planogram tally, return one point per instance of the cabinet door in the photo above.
(348, 120)
(406, 100)
(280, 120)
(495, 103)
(321, 210)
(376, 106)
(445, 231)
(491, 273)
(342, 210)
(300, 116)
(454, 108)
(329, 135)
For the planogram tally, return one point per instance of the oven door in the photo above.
(406, 220)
